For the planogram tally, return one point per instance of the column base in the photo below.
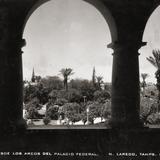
(21, 125)
(13, 127)
(121, 124)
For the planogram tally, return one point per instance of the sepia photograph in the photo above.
(79, 79)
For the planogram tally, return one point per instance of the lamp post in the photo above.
(60, 116)
(88, 122)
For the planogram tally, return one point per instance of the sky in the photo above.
(74, 34)
(152, 37)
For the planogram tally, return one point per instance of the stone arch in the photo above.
(154, 8)
(107, 15)
(151, 35)
(34, 7)
(96, 3)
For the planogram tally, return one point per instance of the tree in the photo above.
(75, 83)
(95, 110)
(71, 111)
(87, 89)
(32, 108)
(66, 72)
(144, 76)
(52, 112)
(74, 95)
(53, 95)
(101, 96)
(147, 108)
(38, 79)
(29, 93)
(42, 93)
(155, 61)
(99, 81)
(32, 113)
(35, 102)
(36, 91)
(60, 101)
(154, 119)
(52, 82)
(46, 120)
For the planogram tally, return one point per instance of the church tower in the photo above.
(94, 77)
(33, 79)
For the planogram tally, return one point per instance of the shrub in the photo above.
(73, 95)
(107, 110)
(72, 111)
(60, 101)
(84, 117)
(147, 108)
(95, 110)
(32, 113)
(101, 95)
(46, 120)
(52, 112)
(154, 118)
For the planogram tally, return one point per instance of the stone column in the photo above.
(13, 17)
(125, 85)
(11, 80)
(11, 88)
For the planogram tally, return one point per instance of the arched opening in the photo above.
(67, 35)
(149, 90)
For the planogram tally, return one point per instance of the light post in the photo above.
(60, 116)
(88, 122)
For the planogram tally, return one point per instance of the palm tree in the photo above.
(99, 81)
(66, 72)
(144, 76)
(155, 61)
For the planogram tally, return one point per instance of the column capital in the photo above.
(121, 45)
(16, 45)
(126, 46)
(20, 44)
